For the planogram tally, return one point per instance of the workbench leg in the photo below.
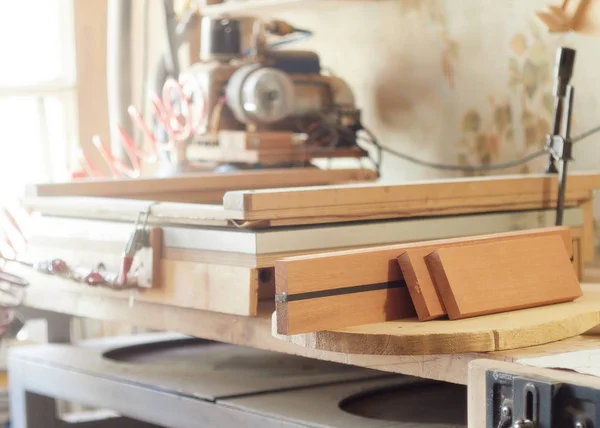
(59, 325)
(28, 410)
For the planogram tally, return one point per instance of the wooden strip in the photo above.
(588, 251)
(297, 153)
(202, 182)
(219, 288)
(128, 210)
(423, 292)
(462, 210)
(420, 207)
(497, 332)
(216, 215)
(240, 140)
(195, 197)
(345, 269)
(352, 195)
(491, 277)
(303, 316)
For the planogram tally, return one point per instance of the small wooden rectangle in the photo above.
(423, 292)
(339, 310)
(493, 277)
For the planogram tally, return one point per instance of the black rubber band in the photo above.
(283, 298)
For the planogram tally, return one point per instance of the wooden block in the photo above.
(524, 329)
(314, 312)
(493, 277)
(212, 184)
(416, 197)
(362, 272)
(423, 292)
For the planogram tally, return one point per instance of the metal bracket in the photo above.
(535, 402)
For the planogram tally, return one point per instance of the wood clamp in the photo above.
(138, 268)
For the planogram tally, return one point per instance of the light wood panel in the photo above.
(219, 288)
(342, 310)
(147, 188)
(362, 273)
(512, 330)
(423, 291)
(242, 8)
(90, 57)
(367, 199)
(256, 332)
(491, 277)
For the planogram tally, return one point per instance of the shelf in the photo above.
(241, 7)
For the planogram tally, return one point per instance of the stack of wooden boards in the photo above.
(221, 257)
(205, 188)
(460, 278)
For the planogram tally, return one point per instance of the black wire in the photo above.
(469, 168)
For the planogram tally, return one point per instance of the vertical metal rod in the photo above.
(118, 71)
(558, 114)
(564, 158)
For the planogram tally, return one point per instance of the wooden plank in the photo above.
(128, 210)
(424, 293)
(219, 288)
(217, 215)
(195, 197)
(359, 272)
(588, 250)
(497, 332)
(420, 208)
(297, 153)
(240, 140)
(501, 276)
(201, 182)
(256, 332)
(90, 56)
(299, 316)
(493, 206)
(349, 199)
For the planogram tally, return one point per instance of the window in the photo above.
(37, 93)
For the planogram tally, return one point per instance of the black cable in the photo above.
(466, 168)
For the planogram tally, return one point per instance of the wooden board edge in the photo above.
(410, 277)
(441, 283)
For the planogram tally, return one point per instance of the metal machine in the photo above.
(253, 105)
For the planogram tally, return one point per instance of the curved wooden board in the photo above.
(498, 332)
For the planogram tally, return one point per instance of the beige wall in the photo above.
(454, 81)
(444, 80)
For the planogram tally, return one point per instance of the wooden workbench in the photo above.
(256, 332)
(236, 307)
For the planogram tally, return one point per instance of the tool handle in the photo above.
(125, 268)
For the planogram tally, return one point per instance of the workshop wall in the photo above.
(467, 82)
(464, 82)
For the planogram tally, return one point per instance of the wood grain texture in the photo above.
(353, 268)
(354, 199)
(332, 312)
(504, 331)
(491, 277)
(219, 288)
(256, 332)
(424, 293)
(144, 188)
